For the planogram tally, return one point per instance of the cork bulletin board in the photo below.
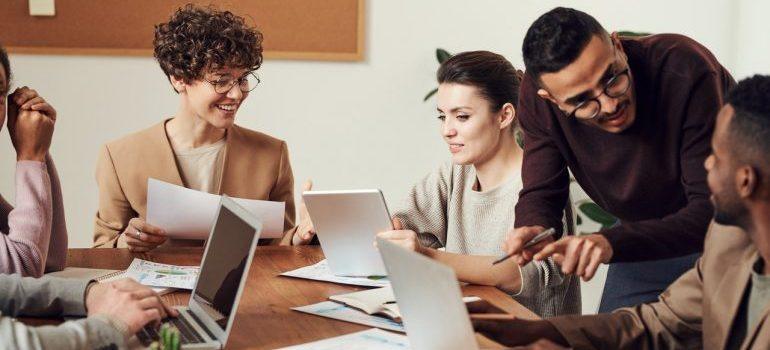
(293, 29)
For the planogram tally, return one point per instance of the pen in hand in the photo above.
(535, 240)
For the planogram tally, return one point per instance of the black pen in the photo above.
(535, 240)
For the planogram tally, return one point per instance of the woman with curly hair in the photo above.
(209, 57)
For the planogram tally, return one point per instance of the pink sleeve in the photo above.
(24, 247)
(57, 247)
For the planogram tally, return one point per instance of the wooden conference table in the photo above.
(264, 319)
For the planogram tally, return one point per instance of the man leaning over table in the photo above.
(631, 119)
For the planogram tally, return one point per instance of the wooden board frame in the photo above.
(356, 55)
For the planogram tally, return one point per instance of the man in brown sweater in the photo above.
(724, 301)
(631, 119)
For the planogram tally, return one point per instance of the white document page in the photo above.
(341, 312)
(371, 339)
(321, 272)
(189, 214)
(155, 274)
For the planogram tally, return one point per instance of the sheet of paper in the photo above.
(155, 274)
(370, 339)
(341, 312)
(321, 272)
(189, 214)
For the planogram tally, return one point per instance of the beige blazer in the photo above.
(696, 312)
(256, 166)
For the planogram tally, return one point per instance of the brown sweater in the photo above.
(650, 176)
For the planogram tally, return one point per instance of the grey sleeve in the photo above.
(45, 296)
(424, 210)
(89, 333)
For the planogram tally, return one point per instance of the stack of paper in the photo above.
(372, 339)
(321, 272)
(342, 312)
(379, 301)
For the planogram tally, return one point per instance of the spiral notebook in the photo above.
(100, 275)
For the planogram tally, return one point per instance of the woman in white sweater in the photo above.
(460, 213)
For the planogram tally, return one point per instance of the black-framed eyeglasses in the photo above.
(245, 83)
(614, 88)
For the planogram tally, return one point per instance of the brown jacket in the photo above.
(256, 166)
(696, 312)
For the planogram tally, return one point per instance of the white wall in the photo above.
(348, 125)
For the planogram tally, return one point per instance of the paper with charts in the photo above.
(188, 214)
(321, 272)
(345, 313)
(370, 339)
(155, 274)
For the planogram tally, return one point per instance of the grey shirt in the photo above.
(759, 295)
(51, 297)
(446, 211)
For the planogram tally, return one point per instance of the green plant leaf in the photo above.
(596, 213)
(442, 55)
(630, 33)
(431, 93)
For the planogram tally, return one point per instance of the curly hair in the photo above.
(196, 39)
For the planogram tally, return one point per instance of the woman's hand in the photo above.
(305, 230)
(405, 238)
(143, 237)
(30, 124)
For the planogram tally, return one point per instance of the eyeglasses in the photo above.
(614, 88)
(245, 83)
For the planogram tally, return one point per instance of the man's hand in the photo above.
(30, 124)
(143, 237)
(127, 301)
(512, 331)
(579, 255)
(405, 238)
(517, 238)
(305, 230)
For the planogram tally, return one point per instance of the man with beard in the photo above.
(721, 303)
(631, 119)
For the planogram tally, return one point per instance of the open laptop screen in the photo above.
(222, 270)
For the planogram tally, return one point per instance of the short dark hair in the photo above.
(556, 39)
(199, 38)
(492, 74)
(6, 65)
(749, 130)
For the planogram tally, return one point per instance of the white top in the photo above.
(201, 168)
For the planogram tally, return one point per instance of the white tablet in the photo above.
(347, 223)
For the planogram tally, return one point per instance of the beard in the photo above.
(729, 212)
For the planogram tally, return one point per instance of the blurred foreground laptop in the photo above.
(346, 223)
(208, 319)
(429, 299)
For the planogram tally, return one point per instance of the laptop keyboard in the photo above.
(187, 334)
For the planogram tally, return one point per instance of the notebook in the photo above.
(100, 275)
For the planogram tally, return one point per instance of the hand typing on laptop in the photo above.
(129, 303)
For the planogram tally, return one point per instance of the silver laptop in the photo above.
(429, 299)
(208, 319)
(346, 223)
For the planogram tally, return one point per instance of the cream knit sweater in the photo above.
(446, 211)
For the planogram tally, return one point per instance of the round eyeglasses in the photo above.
(614, 88)
(245, 83)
